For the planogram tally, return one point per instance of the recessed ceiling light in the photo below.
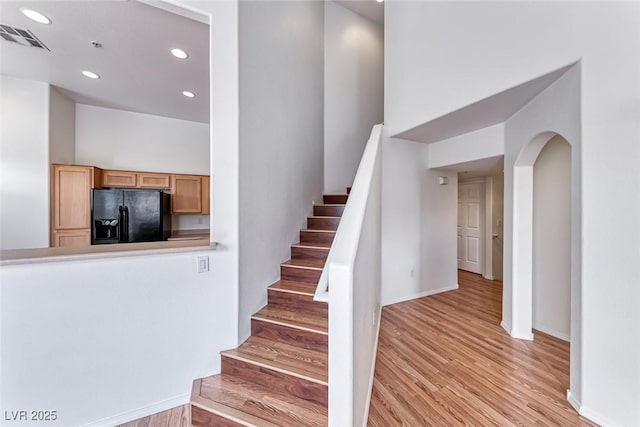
(179, 53)
(379, 1)
(90, 74)
(36, 16)
(188, 94)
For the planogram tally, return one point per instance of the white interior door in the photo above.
(470, 226)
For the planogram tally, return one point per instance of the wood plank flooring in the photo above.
(445, 360)
(176, 417)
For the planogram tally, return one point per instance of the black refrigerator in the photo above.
(126, 216)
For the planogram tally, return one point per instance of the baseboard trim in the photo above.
(589, 414)
(510, 331)
(420, 295)
(574, 402)
(373, 371)
(145, 411)
(507, 328)
(489, 277)
(555, 334)
(597, 418)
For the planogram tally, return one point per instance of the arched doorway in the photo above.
(551, 269)
(522, 248)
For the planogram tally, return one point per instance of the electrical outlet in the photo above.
(203, 264)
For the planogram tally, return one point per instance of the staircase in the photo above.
(278, 377)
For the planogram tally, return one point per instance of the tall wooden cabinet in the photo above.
(71, 204)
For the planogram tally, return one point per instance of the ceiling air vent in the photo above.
(23, 37)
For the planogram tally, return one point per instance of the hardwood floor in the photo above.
(442, 360)
(176, 417)
(445, 360)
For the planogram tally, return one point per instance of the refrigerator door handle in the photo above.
(126, 224)
(120, 223)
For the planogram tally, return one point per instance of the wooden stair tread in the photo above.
(294, 319)
(279, 376)
(246, 402)
(317, 230)
(314, 264)
(282, 357)
(316, 245)
(291, 286)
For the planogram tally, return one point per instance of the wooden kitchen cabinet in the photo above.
(72, 238)
(205, 195)
(186, 194)
(154, 180)
(71, 202)
(111, 178)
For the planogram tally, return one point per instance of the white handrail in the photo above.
(359, 190)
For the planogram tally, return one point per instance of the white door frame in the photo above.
(487, 272)
(483, 219)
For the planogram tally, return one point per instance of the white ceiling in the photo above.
(487, 112)
(137, 71)
(368, 8)
(477, 168)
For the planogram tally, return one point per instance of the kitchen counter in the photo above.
(189, 235)
(30, 256)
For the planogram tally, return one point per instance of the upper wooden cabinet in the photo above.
(189, 193)
(154, 180)
(186, 194)
(111, 178)
(205, 195)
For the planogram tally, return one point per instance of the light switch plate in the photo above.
(203, 264)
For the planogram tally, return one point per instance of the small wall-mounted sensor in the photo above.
(443, 180)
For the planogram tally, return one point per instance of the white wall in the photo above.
(117, 139)
(161, 284)
(353, 91)
(499, 45)
(481, 144)
(281, 141)
(24, 164)
(490, 41)
(429, 81)
(419, 243)
(552, 239)
(190, 222)
(62, 128)
(108, 341)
